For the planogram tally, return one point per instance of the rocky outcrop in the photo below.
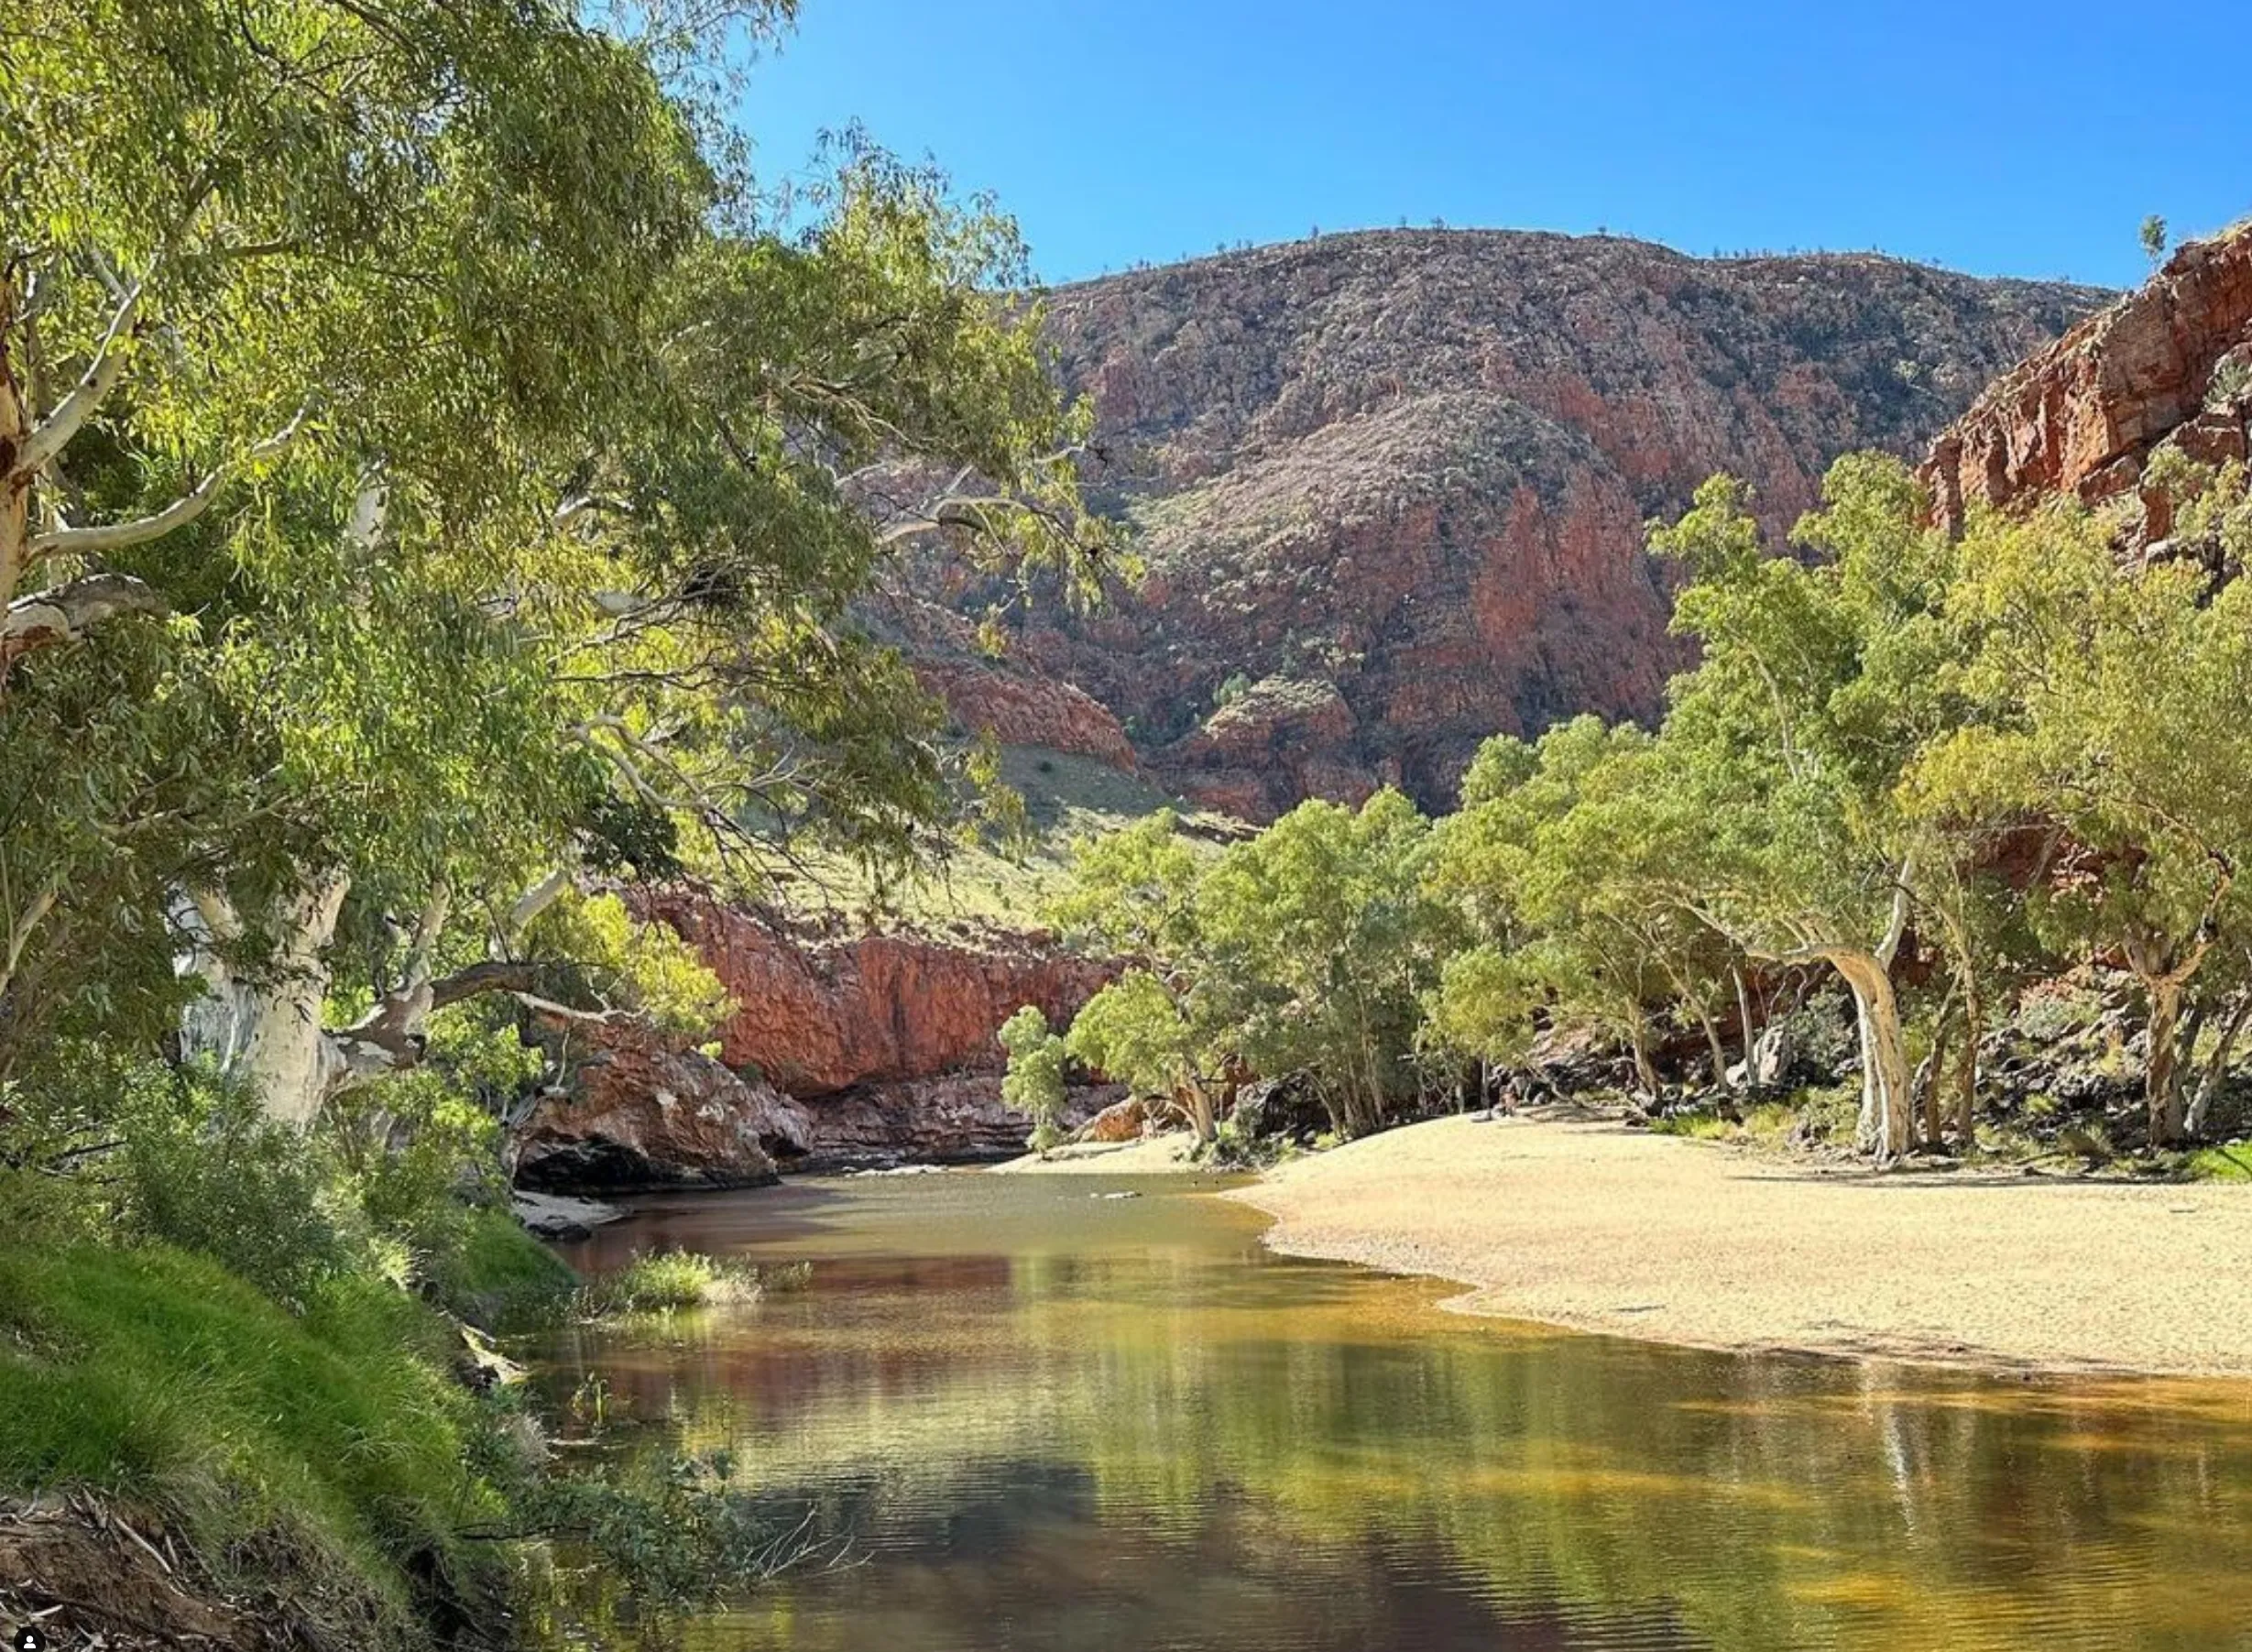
(819, 1012)
(640, 1114)
(2171, 361)
(1398, 482)
(1020, 708)
(842, 1049)
(949, 1117)
(1126, 1120)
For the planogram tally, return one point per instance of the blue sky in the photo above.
(2000, 137)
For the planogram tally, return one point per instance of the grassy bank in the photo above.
(321, 1457)
(328, 1459)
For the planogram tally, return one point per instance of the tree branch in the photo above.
(119, 536)
(65, 613)
(101, 376)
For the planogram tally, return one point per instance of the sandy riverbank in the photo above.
(1600, 1228)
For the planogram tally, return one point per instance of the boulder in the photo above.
(1127, 1120)
(638, 1114)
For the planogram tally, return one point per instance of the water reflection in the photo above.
(1055, 1421)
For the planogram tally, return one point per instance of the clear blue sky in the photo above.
(2002, 136)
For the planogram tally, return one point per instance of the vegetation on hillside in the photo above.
(1928, 774)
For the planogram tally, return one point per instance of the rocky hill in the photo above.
(1391, 487)
(2169, 364)
(1392, 491)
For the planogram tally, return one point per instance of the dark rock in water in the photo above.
(640, 1115)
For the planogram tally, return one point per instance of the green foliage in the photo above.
(1303, 950)
(1322, 938)
(1132, 891)
(497, 1276)
(1696, 1126)
(1137, 1032)
(2153, 237)
(203, 1170)
(644, 967)
(484, 564)
(324, 1451)
(2229, 1164)
(474, 467)
(1033, 1084)
(1487, 1005)
(663, 1281)
(672, 1533)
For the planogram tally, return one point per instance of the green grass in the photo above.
(500, 1278)
(1065, 797)
(1766, 1124)
(2228, 1164)
(333, 1442)
(663, 1281)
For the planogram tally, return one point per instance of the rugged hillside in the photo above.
(1392, 491)
(2171, 362)
(1391, 487)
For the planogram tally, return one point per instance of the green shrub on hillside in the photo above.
(202, 1170)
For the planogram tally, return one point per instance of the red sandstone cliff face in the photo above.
(842, 1050)
(885, 1042)
(818, 1015)
(1398, 482)
(2171, 361)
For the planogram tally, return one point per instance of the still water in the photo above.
(1041, 1418)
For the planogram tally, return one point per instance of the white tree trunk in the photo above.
(1886, 1086)
(265, 1030)
(2217, 1066)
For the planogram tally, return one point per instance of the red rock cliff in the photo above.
(817, 1015)
(2172, 360)
(885, 1042)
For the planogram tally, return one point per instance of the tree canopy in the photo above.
(437, 474)
(1931, 768)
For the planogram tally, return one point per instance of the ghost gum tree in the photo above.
(1159, 1028)
(2106, 715)
(432, 471)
